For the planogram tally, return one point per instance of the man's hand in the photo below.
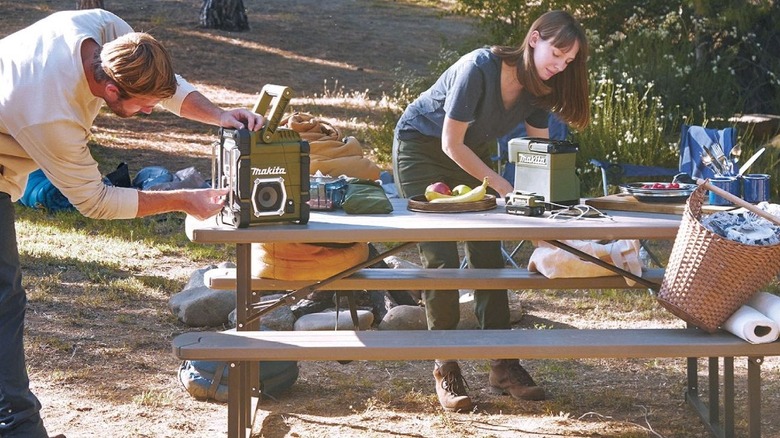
(206, 202)
(197, 107)
(241, 118)
(199, 203)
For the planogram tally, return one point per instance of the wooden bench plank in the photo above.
(424, 279)
(233, 345)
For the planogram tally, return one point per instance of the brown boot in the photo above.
(451, 387)
(507, 376)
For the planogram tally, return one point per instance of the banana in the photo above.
(475, 194)
(431, 195)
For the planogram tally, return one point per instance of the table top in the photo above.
(403, 225)
(626, 202)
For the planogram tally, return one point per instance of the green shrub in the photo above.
(627, 126)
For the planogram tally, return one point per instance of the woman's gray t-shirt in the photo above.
(469, 91)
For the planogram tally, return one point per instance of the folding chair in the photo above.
(693, 139)
(614, 174)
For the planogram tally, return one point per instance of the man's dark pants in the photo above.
(19, 408)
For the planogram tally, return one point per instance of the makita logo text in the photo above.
(275, 170)
(533, 159)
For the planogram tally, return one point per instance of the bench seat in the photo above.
(426, 279)
(463, 344)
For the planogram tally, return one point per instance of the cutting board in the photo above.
(625, 202)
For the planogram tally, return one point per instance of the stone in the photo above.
(200, 306)
(280, 319)
(327, 320)
(404, 317)
(468, 320)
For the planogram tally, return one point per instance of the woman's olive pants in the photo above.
(416, 164)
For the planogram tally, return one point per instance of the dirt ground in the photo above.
(100, 378)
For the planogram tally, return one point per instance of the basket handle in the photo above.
(738, 201)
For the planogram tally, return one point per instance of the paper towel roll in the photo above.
(752, 326)
(768, 304)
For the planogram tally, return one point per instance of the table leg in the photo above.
(754, 396)
(244, 381)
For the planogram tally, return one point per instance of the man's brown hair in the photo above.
(139, 65)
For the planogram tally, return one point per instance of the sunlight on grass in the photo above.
(48, 342)
(136, 242)
(153, 399)
(286, 54)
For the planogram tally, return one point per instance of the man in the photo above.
(55, 75)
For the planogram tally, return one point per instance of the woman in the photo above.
(449, 133)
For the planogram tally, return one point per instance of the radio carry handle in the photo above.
(277, 97)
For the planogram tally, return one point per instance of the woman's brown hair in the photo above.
(139, 65)
(566, 93)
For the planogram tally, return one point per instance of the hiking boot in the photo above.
(451, 387)
(507, 376)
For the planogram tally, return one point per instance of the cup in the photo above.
(727, 183)
(755, 187)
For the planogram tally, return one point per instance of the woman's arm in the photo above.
(453, 134)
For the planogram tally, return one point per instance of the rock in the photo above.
(198, 305)
(280, 319)
(396, 263)
(327, 320)
(202, 306)
(404, 318)
(306, 306)
(468, 321)
(402, 297)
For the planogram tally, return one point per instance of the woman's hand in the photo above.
(453, 134)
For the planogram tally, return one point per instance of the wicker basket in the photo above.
(709, 277)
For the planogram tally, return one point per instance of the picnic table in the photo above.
(245, 346)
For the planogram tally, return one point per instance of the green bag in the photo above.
(365, 196)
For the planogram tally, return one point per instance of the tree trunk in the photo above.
(224, 15)
(90, 4)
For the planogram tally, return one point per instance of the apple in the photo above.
(460, 190)
(439, 187)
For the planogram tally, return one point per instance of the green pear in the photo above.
(460, 190)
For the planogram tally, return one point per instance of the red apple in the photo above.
(439, 187)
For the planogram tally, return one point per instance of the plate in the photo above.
(641, 194)
(419, 203)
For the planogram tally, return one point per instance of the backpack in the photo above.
(208, 380)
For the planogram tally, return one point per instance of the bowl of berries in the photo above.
(670, 192)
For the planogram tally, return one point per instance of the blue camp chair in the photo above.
(615, 174)
(692, 141)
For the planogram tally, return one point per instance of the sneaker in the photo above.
(451, 387)
(507, 376)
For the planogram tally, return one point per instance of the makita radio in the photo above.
(267, 171)
(547, 168)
